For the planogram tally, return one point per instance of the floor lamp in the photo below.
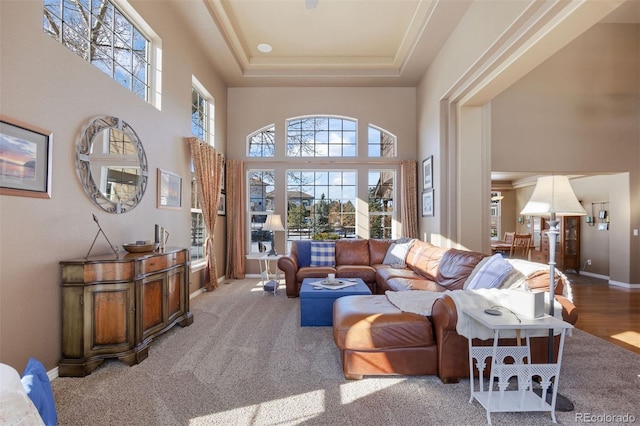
(553, 197)
(273, 224)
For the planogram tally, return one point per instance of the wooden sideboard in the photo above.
(114, 306)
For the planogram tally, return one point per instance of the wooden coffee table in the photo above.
(316, 305)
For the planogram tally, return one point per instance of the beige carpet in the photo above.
(246, 361)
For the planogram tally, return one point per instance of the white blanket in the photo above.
(420, 302)
(416, 301)
(486, 298)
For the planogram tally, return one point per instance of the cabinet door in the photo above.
(153, 313)
(110, 309)
(571, 243)
(175, 294)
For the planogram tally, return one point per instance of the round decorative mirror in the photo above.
(112, 164)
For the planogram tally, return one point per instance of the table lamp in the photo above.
(273, 223)
(553, 196)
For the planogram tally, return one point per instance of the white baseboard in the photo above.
(591, 274)
(624, 285)
(611, 282)
(197, 293)
(53, 374)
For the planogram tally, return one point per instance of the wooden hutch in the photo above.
(113, 306)
(567, 247)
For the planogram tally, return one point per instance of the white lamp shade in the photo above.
(553, 194)
(273, 223)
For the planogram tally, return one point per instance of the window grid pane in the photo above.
(199, 115)
(321, 202)
(380, 143)
(262, 143)
(102, 35)
(261, 191)
(380, 189)
(321, 137)
(200, 112)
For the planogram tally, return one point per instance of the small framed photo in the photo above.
(222, 204)
(427, 203)
(427, 173)
(169, 190)
(25, 159)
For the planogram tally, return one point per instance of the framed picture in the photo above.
(222, 204)
(169, 190)
(25, 159)
(223, 179)
(427, 203)
(427, 173)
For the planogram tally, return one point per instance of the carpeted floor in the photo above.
(246, 361)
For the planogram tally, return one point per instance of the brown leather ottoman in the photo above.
(377, 338)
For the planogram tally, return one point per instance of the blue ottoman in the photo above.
(316, 305)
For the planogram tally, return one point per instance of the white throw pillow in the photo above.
(397, 253)
(491, 273)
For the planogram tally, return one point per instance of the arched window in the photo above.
(321, 136)
(380, 143)
(262, 143)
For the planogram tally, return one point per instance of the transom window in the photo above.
(99, 32)
(199, 115)
(321, 204)
(380, 143)
(262, 143)
(321, 137)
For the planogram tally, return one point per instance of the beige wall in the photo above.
(391, 109)
(461, 181)
(579, 112)
(462, 122)
(46, 85)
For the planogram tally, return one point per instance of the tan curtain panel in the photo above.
(409, 210)
(208, 166)
(235, 220)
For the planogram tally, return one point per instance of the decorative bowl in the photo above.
(140, 248)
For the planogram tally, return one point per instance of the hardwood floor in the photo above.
(609, 312)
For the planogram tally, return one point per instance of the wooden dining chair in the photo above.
(508, 237)
(520, 247)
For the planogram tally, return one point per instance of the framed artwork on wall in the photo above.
(169, 190)
(222, 204)
(427, 203)
(25, 159)
(427, 173)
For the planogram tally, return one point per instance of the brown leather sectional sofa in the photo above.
(375, 337)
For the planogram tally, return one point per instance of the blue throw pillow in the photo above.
(323, 253)
(303, 250)
(491, 273)
(37, 385)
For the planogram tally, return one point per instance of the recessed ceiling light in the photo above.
(264, 47)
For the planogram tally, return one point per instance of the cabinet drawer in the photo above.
(160, 262)
(108, 272)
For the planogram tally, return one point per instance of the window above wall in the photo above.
(262, 143)
(102, 33)
(321, 137)
(380, 143)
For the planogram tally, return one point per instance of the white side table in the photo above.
(523, 398)
(267, 264)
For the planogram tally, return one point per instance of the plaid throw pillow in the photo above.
(323, 254)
